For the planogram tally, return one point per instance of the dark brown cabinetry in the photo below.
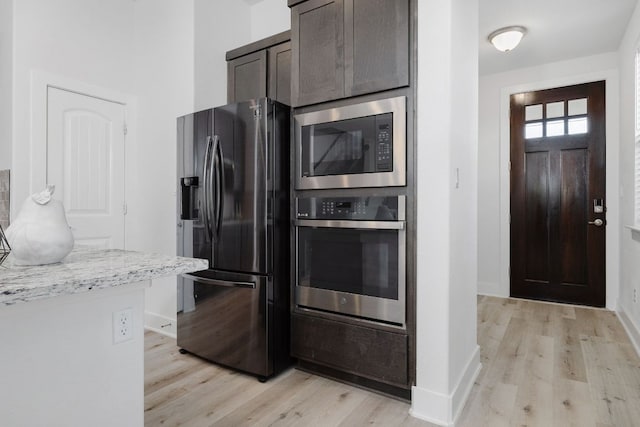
(317, 71)
(260, 69)
(280, 73)
(247, 77)
(345, 53)
(344, 48)
(376, 45)
(367, 352)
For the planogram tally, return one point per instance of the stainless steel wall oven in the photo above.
(360, 145)
(350, 256)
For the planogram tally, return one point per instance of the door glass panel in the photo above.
(362, 262)
(533, 130)
(577, 107)
(555, 128)
(555, 109)
(577, 126)
(533, 112)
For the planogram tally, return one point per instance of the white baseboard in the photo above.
(491, 289)
(442, 409)
(632, 329)
(466, 382)
(160, 324)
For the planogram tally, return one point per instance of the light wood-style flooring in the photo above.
(184, 390)
(552, 365)
(543, 365)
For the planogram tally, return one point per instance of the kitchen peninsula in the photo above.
(65, 359)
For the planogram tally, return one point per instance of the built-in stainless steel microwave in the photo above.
(361, 145)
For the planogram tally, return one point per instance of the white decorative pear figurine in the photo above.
(40, 234)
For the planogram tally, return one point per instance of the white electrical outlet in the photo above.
(635, 295)
(122, 325)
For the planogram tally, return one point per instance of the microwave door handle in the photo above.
(206, 173)
(374, 225)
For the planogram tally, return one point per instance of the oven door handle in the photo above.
(374, 225)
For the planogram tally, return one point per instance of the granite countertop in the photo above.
(86, 269)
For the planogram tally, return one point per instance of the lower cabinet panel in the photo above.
(368, 352)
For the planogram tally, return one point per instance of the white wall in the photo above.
(6, 62)
(493, 173)
(447, 352)
(464, 351)
(269, 17)
(220, 25)
(84, 40)
(163, 80)
(630, 241)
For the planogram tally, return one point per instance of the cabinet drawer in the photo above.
(368, 352)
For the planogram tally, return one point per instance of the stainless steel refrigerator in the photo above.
(233, 209)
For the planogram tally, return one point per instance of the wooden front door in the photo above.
(558, 194)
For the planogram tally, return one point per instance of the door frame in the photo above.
(612, 99)
(41, 81)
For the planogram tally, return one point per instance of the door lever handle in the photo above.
(598, 222)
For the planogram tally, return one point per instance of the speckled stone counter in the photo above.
(84, 270)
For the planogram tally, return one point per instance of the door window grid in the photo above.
(637, 139)
(561, 118)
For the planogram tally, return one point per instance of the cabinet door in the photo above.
(317, 35)
(371, 353)
(247, 77)
(376, 45)
(280, 73)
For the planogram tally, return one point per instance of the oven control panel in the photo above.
(374, 208)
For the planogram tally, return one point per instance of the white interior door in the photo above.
(85, 161)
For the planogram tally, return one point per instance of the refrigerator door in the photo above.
(242, 171)
(194, 137)
(224, 318)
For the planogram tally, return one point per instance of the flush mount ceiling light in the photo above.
(507, 38)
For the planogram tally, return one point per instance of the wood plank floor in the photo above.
(543, 365)
(184, 390)
(552, 365)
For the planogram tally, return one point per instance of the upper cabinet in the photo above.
(280, 73)
(317, 41)
(343, 48)
(376, 49)
(247, 77)
(260, 69)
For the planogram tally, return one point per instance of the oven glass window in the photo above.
(363, 262)
(344, 147)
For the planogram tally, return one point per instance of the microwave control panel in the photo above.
(374, 208)
(384, 142)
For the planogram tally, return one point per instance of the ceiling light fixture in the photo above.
(507, 38)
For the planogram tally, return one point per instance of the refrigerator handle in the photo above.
(206, 175)
(217, 282)
(219, 184)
